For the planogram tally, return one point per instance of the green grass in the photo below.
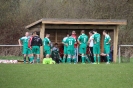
(66, 76)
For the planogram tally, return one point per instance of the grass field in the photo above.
(66, 76)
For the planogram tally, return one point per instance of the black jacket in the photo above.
(36, 41)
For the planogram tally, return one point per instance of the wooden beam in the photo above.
(56, 36)
(116, 30)
(42, 31)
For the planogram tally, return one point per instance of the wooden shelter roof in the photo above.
(79, 21)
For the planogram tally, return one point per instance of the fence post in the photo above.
(119, 54)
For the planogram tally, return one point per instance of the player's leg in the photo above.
(69, 56)
(24, 53)
(94, 52)
(30, 55)
(24, 58)
(98, 54)
(107, 51)
(38, 54)
(75, 55)
(65, 55)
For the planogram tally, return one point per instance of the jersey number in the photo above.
(70, 42)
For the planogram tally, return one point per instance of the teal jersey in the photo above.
(46, 41)
(96, 39)
(70, 41)
(106, 40)
(64, 41)
(83, 39)
(25, 41)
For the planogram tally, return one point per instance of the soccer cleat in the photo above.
(24, 62)
(107, 63)
(94, 63)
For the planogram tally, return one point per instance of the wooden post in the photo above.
(115, 44)
(42, 31)
(56, 36)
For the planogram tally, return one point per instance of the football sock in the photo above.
(28, 59)
(98, 59)
(108, 58)
(75, 60)
(38, 60)
(94, 59)
(68, 60)
(64, 58)
(87, 58)
(83, 59)
(24, 59)
(31, 59)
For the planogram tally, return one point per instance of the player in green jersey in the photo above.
(107, 40)
(46, 44)
(26, 50)
(65, 48)
(83, 40)
(96, 47)
(70, 41)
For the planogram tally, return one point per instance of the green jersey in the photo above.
(96, 39)
(64, 41)
(25, 41)
(46, 42)
(106, 40)
(70, 41)
(83, 39)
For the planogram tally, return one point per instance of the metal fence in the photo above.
(11, 52)
(125, 53)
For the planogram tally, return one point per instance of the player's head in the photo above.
(91, 33)
(47, 56)
(94, 31)
(82, 31)
(47, 35)
(26, 33)
(70, 34)
(34, 33)
(67, 34)
(105, 32)
(73, 32)
(56, 44)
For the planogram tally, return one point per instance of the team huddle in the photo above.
(73, 47)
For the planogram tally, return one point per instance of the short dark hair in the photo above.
(70, 34)
(91, 32)
(82, 31)
(105, 31)
(95, 30)
(47, 33)
(56, 44)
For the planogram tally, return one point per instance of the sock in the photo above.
(83, 59)
(98, 59)
(28, 59)
(94, 59)
(107, 58)
(31, 58)
(68, 60)
(64, 58)
(38, 60)
(75, 61)
(87, 59)
(24, 59)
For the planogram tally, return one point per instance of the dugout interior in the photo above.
(59, 27)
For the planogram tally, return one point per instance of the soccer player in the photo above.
(83, 40)
(65, 48)
(36, 42)
(75, 45)
(26, 50)
(48, 60)
(91, 46)
(96, 46)
(70, 41)
(107, 40)
(46, 44)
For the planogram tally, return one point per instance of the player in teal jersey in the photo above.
(96, 47)
(26, 50)
(46, 44)
(107, 40)
(83, 40)
(65, 48)
(70, 41)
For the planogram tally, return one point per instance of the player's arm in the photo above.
(32, 41)
(63, 42)
(40, 42)
(109, 40)
(79, 40)
(19, 41)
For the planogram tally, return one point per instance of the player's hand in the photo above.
(66, 44)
